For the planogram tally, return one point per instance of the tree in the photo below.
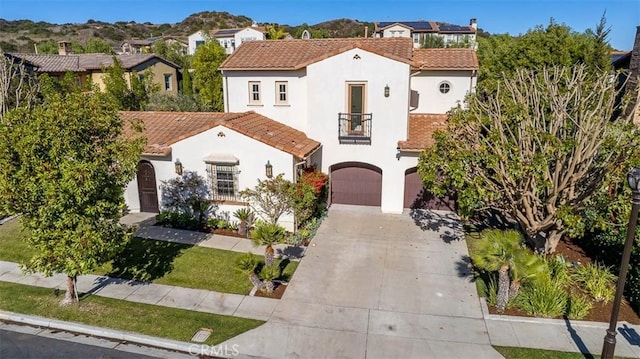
(274, 32)
(188, 194)
(18, 85)
(173, 102)
(267, 234)
(171, 51)
(64, 166)
(535, 150)
(207, 80)
(247, 264)
(430, 41)
(270, 198)
(554, 45)
(96, 45)
(129, 95)
(187, 85)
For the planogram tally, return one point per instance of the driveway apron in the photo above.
(376, 285)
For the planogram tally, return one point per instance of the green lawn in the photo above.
(171, 323)
(158, 262)
(526, 353)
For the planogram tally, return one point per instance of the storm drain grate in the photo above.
(201, 335)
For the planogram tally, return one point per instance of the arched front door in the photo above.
(147, 190)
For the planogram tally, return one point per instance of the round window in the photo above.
(445, 87)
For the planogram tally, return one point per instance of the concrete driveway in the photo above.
(377, 285)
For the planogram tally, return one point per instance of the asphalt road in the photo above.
(14, 345)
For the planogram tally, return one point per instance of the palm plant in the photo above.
(267, 234)
(524, 266)
(495, 251)
(269, 274)
(245, 216)
(247, 264)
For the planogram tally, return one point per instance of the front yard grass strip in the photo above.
(170, 323)
(528, 353)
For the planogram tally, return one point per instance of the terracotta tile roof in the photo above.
(84, 62)
(162, 129)
(421, 129)
(445, 59)
(297, 54)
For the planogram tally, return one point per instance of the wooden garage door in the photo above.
(147, 190)
(415, 195)
(356, 184)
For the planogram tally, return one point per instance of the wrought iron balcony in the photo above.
(354, 128)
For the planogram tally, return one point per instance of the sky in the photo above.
(495, 16)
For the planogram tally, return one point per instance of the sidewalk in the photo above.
(198, 300)
(146, 229)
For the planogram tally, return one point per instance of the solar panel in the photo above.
(226, 32)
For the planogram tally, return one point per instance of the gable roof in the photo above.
(422, 126)
(86, 62)
(445, 59)
(231, 32)
(299, 53)
(162, 129)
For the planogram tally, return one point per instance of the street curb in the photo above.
(576, 323)
(130, 337)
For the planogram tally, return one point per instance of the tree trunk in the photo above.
(514, 288)
(269, 286)
(70, 295)
(242, 228)
(255, 280)
(268, 256)
(553, 238)
(503, 288)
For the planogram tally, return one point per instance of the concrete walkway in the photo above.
(377, 286)
(146, 229)
(158, 294)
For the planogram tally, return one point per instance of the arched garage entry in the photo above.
(356, 183)
(147, 190)
(415, 196)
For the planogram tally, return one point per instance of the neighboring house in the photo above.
(355, 97)
(230, 39)
(232, 150)
(143, 46)
(418, 30)
(91, 66)
(630, 61)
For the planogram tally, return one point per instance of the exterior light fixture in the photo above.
(268, 170)
(178, 167)
(398, 153)
(386, 91)
(609, 346)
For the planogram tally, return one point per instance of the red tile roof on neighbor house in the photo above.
(299, 53)
(445, 59)
(85, 62)
(422, 126)
(162, 129)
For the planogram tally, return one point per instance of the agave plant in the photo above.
(269, 274)
(247, 264)
(267, 234)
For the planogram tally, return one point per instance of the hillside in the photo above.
(21, 35)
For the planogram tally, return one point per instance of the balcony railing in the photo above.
(354, 128)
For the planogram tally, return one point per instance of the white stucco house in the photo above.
(232, 150)
(418, 30)
(372, 103)
(230, 39)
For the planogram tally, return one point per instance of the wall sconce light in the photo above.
(398, 153)
(386, 91)
(178, 167)
(268, 170)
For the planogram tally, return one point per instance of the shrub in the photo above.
(543, 298)
(188, 194)
(559, 270)
(178, 220)
(578, 306)
(597, 280)
(309, 195)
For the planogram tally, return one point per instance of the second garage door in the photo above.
(415, 195)
(358, 184)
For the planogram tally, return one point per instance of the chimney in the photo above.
(634, 71)
(366, 31)
(474, 23)
(64, 48)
